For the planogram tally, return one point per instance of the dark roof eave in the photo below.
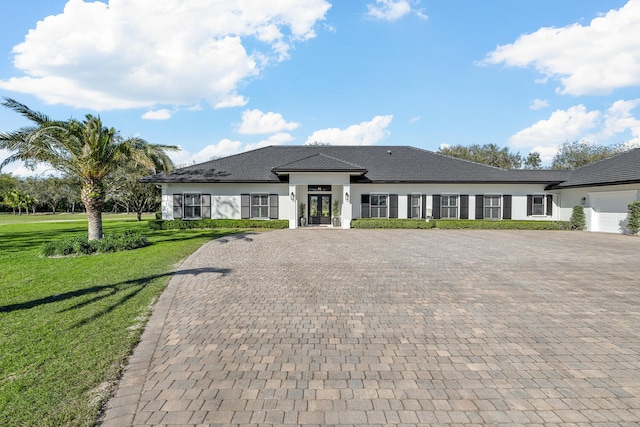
(560, 186)
(453, 181)
(204, 181)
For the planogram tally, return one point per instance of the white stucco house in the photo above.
(393, 182)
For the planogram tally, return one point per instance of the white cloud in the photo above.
(224, 148)
(562, 125)
(162, 114)
(256, 122)
(576, 123)
(19, 168)
(365, 133)
(414, 119)
(126, 54)
(592, 59)
(546, 153)
(392, 10)
(277, 139)
(619, 119)
(539, 104)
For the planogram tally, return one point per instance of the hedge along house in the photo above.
(294, 182)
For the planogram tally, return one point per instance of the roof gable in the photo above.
(319, 162)
(618, 169)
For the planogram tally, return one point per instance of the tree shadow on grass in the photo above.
(20, 241)
(136, 285)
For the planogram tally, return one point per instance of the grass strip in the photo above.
(67, 324)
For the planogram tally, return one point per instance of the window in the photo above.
(449, 206)
(192, 206)
(416, 211)
(379, 206)
(538, 205)
(492, 207)
(259, 206)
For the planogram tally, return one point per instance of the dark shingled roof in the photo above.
(369, 163)
(319, 162)
(619, 169)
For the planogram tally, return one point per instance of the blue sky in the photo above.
(227, 76)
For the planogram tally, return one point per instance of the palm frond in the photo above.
(23, 110)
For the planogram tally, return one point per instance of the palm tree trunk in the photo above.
(92, 195)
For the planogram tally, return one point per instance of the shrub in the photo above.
(81, 245)
(178, 224)
(500, 225)
(121, 242)
(578, 220)
(390, 223)
(633, 219)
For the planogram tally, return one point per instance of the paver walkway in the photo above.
(393, 327)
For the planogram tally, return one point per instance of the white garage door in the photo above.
(610, 210)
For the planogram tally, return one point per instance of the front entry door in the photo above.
(319, 209)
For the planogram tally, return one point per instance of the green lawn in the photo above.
(67, 324)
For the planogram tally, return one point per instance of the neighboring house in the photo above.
(393, 182)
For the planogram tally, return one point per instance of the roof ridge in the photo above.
(340, 160)
(295, 161)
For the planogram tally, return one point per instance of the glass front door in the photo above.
(319, 209)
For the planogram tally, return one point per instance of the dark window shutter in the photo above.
(273, 206)
(549, 205)
(424, 206)
(409, 205)
(393, 206)
(464, 206)
(364, 206)
(245, 206)
(206, 206)
(479, 206)
(529, 205)
(435, 213)
(177, 206)
(506, 206)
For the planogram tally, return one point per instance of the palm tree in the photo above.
(84, 149)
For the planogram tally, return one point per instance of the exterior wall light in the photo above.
(293, 196)
(346, 196)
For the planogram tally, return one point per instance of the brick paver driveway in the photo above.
(391, 327)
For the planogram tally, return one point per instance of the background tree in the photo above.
(71, 188)
(7, 183)
(572, 155)
(488, 154)
(84, 149)
(533, 161)
(18, 200)
(132, 195)
(47, 191)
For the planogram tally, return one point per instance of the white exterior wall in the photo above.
(225, 198)
(340, 187)
(593, 199)
(519, 193)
